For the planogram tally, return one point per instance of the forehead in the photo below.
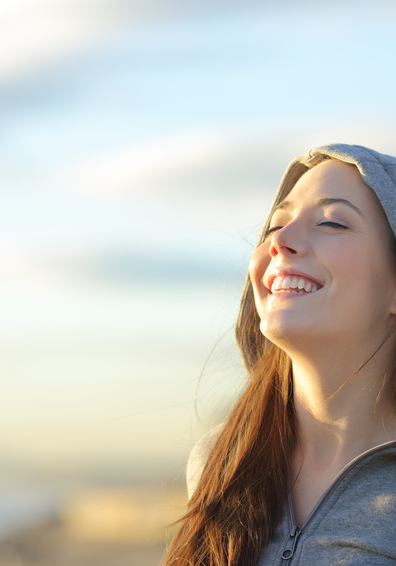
(333, 179)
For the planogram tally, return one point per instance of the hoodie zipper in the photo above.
(291, 543)
(296, 531)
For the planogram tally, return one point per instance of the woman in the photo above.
(304, 469)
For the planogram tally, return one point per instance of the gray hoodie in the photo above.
(353, 524)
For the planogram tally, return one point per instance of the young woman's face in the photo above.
(325, 271)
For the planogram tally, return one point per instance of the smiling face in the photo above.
(326, 272)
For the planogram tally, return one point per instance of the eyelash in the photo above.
(274, 229)
(335, 225)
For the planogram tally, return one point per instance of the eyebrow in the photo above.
(287, 205)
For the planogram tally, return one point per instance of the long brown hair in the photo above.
(240, 497)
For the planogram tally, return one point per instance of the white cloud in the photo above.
(36, 34)
(155, 162)
(235, 162)
(29, 268)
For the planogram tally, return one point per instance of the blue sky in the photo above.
(140, 148)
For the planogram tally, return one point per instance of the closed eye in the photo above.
(273, 229)
(334, 225)
(329, 223)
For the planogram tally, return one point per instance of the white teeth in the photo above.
(278, 283)
(292, 284)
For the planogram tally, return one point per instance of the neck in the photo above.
(340, 416)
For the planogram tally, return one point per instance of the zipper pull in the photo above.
(291, 543)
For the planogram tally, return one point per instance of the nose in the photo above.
(288, 240)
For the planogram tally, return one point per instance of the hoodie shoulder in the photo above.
(199, 456)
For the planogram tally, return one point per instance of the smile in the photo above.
(293, 284)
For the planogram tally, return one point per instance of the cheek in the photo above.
(257, 268)
(356, 281)
(347, 265)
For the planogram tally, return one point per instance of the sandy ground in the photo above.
(53, 546)
(101, 527)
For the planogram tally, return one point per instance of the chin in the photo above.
(288, 334)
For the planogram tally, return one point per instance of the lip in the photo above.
(271, 275)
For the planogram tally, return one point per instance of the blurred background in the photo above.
(141, 143)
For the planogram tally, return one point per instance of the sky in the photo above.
(141, 144)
